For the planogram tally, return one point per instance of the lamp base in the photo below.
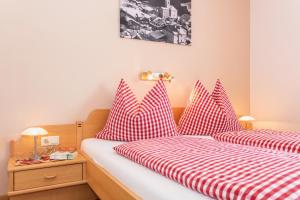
(35, 152)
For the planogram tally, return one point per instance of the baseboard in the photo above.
(3, 197)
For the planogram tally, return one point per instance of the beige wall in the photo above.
(275, 63)
(61, 59)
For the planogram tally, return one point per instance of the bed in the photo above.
(101, 180)
(271, 139)
(100, 177)
(142, 181)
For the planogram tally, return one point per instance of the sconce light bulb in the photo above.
(150, 77)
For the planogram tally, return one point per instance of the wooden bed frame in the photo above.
(104, 184)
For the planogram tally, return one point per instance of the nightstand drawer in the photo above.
(47, 176)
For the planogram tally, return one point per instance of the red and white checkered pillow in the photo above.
(221, 98)
(207, 114)
(130, 120)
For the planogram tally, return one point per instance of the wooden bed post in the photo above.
(79, 132)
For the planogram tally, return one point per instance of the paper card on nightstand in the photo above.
(59, 155)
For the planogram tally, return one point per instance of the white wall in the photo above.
(60, 59)
(275, 63)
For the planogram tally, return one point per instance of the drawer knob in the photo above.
(50, 177)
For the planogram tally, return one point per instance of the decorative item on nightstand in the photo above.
(246, 122)
(63, 155)
(35, 132)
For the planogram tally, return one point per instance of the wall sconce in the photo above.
(246, 122)
(154, 76)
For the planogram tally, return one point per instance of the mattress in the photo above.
(144, 182)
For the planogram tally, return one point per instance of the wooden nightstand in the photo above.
(54, 180)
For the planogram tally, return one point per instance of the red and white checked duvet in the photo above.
(220, 170)
(277, 140)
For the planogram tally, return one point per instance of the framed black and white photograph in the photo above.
(156, 20)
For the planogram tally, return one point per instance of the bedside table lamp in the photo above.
(35, 132)
(246, 120)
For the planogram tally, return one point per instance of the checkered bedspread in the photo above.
(220, 170)
(277, 140)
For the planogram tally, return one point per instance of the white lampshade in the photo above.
(34, 131)
(246, 118)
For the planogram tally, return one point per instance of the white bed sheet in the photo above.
(146, 183)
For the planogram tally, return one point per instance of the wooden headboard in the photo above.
(71, 135)
(23, 147)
